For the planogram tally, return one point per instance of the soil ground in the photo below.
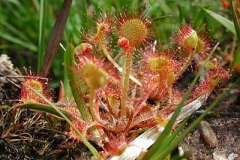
(225, 122)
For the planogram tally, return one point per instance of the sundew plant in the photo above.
(122, 81)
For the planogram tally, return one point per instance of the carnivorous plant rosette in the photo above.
(125, 87)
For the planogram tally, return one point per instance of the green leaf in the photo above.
(40, 107)
(75, 84)
(225, 22)
(169, 139)
(236, 59)
(198, 17)
(41, 36)
(84, 15)
(235, 20)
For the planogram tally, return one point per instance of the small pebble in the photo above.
(208, 134)
(217, 155)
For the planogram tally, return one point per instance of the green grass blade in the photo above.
(236, 59)
(17, 41)
(171, 137)
(74, 82)
(235, 20)
(41, 36)
(84, 15)
(225, 22)
(40, 107)
(68, 96)
(198, 18)
(181, 19)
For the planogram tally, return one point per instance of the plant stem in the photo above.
(104, 49)
(184, 67)
(125, 82)
(124, 62)
(92, 98)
